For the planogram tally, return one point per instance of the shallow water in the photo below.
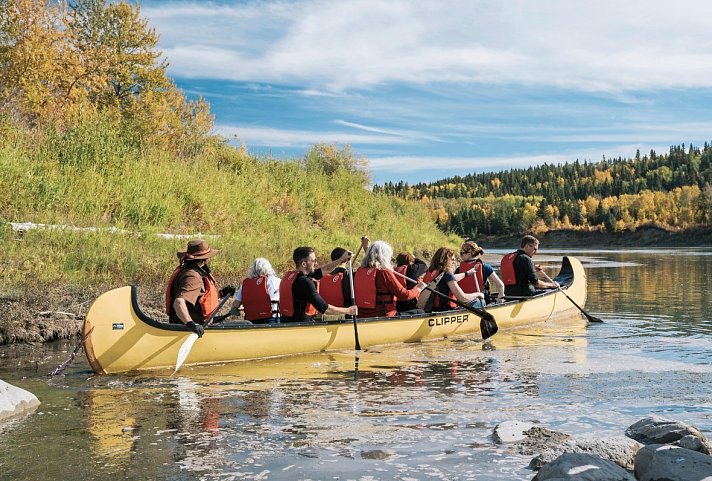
(410, 412)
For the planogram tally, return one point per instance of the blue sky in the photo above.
(426, 90)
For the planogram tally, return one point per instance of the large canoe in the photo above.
(118, 337)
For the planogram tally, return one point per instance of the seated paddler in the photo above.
(518, 271)
(335, 287)
(258, 294)
(376, 285)
(191, 293)
(441, 272)
(299, 299)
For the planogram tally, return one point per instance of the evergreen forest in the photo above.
(672, 191)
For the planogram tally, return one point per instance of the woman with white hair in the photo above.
(259, 294)
(377, 287)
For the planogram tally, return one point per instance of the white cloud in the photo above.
(606, 45)
(266, 136)
(466, 165)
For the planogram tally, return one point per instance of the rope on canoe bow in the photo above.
(69, 360)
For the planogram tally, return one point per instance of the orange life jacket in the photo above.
(468, 284)
(286, 299)
(208, 301)
(331, 289)
(255, 298)
(509, 277)
(402, 270)
(365, 287)
(438, 302)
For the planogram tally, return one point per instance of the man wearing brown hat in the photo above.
(191, 293)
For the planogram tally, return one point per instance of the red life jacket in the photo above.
(468, 284)
(331, 289)
(437, 300)
(402, 270)
(207, 302)
(286, 300)
(365, 287)
(255, 298)
(509, 277)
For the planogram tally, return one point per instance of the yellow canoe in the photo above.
(118, 337)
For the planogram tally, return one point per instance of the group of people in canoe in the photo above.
(377, 288)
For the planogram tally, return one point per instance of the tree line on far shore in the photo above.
(672, 191)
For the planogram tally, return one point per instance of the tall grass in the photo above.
(92, 175)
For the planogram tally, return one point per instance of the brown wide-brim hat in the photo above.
(196, 250)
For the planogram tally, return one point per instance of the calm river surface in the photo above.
(410, 412)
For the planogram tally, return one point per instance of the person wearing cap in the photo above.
(191, 293)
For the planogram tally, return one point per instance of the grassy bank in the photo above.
(92, 176)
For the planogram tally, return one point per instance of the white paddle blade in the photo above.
(185, 350)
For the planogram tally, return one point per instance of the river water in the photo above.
(410, 412)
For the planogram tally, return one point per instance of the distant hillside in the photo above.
(673, 191)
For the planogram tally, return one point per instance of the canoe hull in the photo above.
(118, 337)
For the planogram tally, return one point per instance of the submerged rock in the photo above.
(671, 463)
(539, 439)
(15, 401)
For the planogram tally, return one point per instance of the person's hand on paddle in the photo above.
(353, 310)
(500, 297)
(227, 291)
(345, 257)
(552, 283)
(196, 328)
(365, 243)
(421, 285)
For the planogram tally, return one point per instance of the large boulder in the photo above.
(582, 467)
(618, 449)
(659, 430)
(15, 401)
(657, 462)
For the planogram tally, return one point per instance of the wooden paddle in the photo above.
(488, 326)
(353, 299)
(188, 343)
(588, 316)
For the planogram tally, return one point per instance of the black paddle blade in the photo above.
(592, 318)
(488, 328)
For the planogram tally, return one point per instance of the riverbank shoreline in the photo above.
(648, 236)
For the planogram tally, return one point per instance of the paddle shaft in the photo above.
(353, 299)
(478, 312)
(588, 316)
(212, 316)
(358, 251)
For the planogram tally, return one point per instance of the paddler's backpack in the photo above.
(427, 297)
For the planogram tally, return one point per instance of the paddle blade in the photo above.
(592, 318)
(185, 350)
(488, 327)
